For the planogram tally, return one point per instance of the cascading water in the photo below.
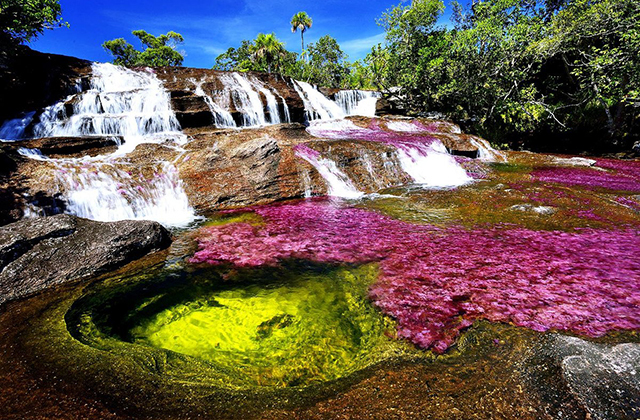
(14, 129)
(128, 104)
(431, 165)
(316, 105)
(358, 102)
(338, 183)
(243, 93)
(424, 158)
(105, 191)
(120, 102)
(222, 118)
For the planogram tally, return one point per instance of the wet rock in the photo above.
(230, 168)
(39, 253)
(574, 161)
(387, 106)
(530, 208)
(65, 146)
(603, 381)
(192, 110)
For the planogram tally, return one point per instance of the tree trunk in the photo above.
(302, 41)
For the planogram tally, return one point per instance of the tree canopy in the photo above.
(159, 51)
(514, 67)
(23, 20)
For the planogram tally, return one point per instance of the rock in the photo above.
(34, 80)
(7, 162)
(36, 254)
(574, 161)
(530, 208)
(64, 146)
(193, 112)
(601, 380)
(231, 168)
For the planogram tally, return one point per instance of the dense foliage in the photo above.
(159, 50)
(23, 20)
(325, 65)
(508, 67)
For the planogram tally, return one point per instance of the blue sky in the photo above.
(210, 27)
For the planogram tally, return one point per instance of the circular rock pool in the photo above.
(274, 327)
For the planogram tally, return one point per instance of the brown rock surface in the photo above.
(72, 146)
(193, 112)
(38, 253)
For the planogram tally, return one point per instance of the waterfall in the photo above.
(135, 106)
(486, 152)
(287, 114)
(243, 92)
(14, 129)
(338, 183)
(105, 191)
(222, 118)
(431, 165)
(316, 105)
(358, 102)
(120, 102)
(420, 155)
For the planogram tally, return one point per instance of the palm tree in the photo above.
(301, 21)
(268, 47)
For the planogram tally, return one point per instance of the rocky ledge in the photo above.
(36, 254)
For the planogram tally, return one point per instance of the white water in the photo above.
(243, 92)
(222, 118)
(428, 164)
(338, 183)
(403, 127)
(486, 152)
(120, 102)
(104, 191)
(432, 166)
(357, 102)
(134, 105)
(316, 105)
(13, 130)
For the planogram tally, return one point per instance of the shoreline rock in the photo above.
(36, 254)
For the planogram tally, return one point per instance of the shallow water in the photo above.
(408, 303)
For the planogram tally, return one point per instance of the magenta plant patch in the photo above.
(618, 175)
(437, 281)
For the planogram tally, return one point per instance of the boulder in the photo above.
(36, 254)
(65, 146)
(585, 379)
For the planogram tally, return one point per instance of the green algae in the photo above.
(292, 326)
(295, 330)
(226, 218)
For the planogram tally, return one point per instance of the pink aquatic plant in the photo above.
(618, 175)
(437, 281)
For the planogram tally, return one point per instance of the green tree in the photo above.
(236, 59)
(23, 20)
(159, 51)
(508, 67)
(268, 49)
(301, 22)
(327, 65)
(265, 53)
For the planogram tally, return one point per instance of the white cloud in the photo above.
(360, 47)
